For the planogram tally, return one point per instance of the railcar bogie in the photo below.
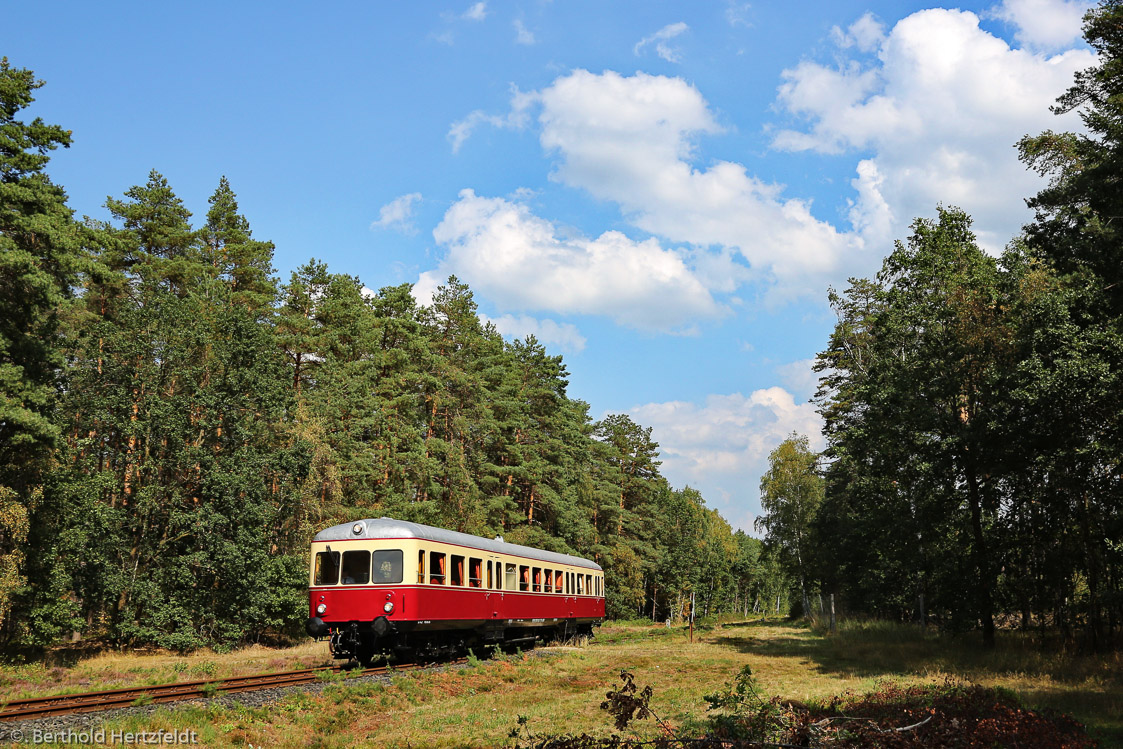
(383, 587)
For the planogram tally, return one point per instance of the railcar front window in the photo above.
(512, 578)
(475, 573)
(327, 568)
(388, 566)
(356, 567)
(580, 585)
(421, 566)
(558, 581)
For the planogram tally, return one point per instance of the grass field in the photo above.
(560, 693)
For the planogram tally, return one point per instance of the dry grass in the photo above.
(112, 670)
(560, 693)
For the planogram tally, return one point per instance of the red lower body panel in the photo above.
(440, 607)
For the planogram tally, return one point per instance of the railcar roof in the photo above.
(390, 528)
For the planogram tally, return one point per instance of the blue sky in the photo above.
(662, 192)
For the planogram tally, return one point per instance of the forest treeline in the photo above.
(973, 408)
(176, 423)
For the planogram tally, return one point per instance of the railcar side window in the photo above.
(457, 569)
(327, 568)
(580, 586)
(512, 578)
(547, 581)
(421, 566)
(557, 581)
(490, 579)
(524, 577)
(475, 573)
(436, 568)
(589, 584)
(537, 579)
(388, 566)
(356, 567)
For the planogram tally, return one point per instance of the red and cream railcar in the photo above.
(384, 586)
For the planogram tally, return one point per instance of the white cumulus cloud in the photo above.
(722, 446)
(476, 12)
(866, 34)
(629, 140)
(397, 214)
(660, 37)
(1044, 24)
(941, 110)
(523, 35)
(799, 377)
(516, 118)
(522, 262)
(564, 335)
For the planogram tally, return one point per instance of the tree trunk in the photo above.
(985, 585)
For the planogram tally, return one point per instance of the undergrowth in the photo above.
(952, 714)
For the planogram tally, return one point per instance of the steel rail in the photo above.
(86, 702)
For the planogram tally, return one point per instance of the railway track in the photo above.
(88, 702)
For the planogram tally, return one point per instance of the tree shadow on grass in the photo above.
(1100, 711)
(1087, 687)
(886, 650)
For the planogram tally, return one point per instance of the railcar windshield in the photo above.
(356, 567)
(388, 566)
(327, 568)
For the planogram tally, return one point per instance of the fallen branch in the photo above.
(909, 728)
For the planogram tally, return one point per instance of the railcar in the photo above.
(383, 586)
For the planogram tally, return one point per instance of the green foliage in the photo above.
(972, 405)
(915, 483)
(41, 252)
(791, 492)
(744, 715)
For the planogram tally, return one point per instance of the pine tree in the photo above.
(229, 249)
(40, 254)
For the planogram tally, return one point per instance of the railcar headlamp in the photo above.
(322, 608)
(388, 607)
(358, 529)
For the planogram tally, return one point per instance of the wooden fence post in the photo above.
(692, 616)
(832, 612)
